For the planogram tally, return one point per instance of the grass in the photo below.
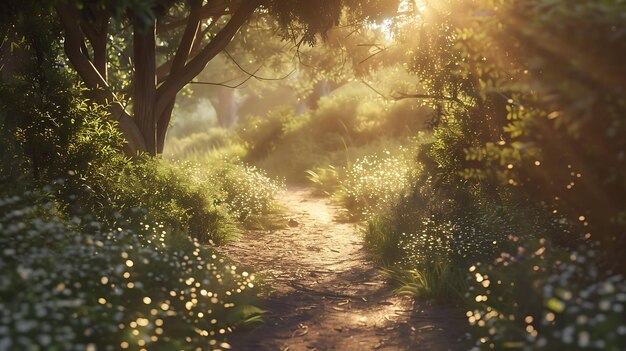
(441, 282)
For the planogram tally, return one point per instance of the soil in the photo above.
(327, 295)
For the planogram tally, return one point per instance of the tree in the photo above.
(204, 29)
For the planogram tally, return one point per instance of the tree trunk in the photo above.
(182, 54)
(100, 90)
(226, 107)
(144, 92)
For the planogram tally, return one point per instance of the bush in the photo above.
(200, 143)
(371, 184)
(539, 297)
(261, 134)
(343, 127)
(74, 285)
(247, 193)
(92, 175)
(169, 194)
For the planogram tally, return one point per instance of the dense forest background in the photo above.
(479, 144)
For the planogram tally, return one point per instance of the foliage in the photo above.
(516, 150)
(93, 177)
(538, 297)
(75, 284)
(324, 180)
(440, 281)
(167, 193)
(342, 128)
(260, 134)
(513, 97)
(207, 142)
(248, 194)
(371, 184)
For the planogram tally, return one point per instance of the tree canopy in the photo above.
(161, 46)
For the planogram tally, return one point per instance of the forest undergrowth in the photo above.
(505, 203)
(492, 179)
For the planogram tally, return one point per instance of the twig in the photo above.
(376, 91)
(253, 74)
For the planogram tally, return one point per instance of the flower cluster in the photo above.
(72, 285)
(372, 184)
(436, 241)
(247, 191)
(544, 298)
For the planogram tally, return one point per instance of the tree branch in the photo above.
(254, 74)
(174, 83)
(74, 40)
(163, 71)
(180, 58)
(212, 9)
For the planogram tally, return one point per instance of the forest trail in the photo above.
(326, 294)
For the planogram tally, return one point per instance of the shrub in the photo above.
(343, 126)
(261, 134)
(75, 284)
(371, 184)
(247, 193)
(540, 297)
(200, 143)
(324, 180)
(151, 190)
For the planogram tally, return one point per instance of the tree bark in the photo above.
(102, 93)
(144, 92)
(152, 107)
(174, 83)
(225, 107)
(182, 54)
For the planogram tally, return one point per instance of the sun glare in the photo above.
(408, 12)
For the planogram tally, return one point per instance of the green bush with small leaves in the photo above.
(371, 184)
(247, 192)
(72, 283)
(540, 297)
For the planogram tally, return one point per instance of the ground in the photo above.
(327, 295)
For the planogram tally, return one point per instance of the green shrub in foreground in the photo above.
(167, 193)
(538, 297)
(76, 285)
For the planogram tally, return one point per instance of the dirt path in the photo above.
(327, 295)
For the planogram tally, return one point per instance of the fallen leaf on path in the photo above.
(377, 346)
(338, 309)
(334, 250)
(301, 331)
(306, 308)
